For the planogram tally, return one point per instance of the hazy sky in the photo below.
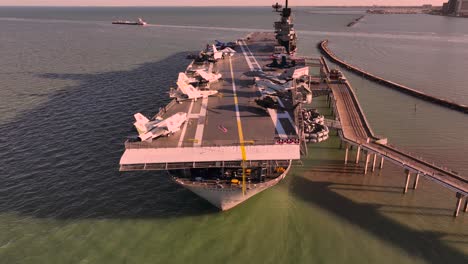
(211, 2)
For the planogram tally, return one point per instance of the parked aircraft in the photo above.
(271, 77)
(272, 103)
(208, 76)
(148, 130)
(186, 91)
(184, 78)
(222, 45)
(214, 54)
(228, 51)
(269, 87)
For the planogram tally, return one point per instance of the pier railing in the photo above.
(164, 109)
(353, 115)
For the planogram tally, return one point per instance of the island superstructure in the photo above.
(238, 126)
(284, 29)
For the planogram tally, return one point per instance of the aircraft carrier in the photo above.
(240, 133)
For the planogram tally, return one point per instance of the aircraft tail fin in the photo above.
(182, 77)
(189, 90)
(140, 123)
(210, 77)
(216, 53)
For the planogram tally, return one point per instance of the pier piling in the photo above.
(408, 177)
(367, 163)
(457, 207)
(416, 180)
(357, 133)
(374, 158)
(346, 154)
(358, 154)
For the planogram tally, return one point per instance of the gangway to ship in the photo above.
(356, 131)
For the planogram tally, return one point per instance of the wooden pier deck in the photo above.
(356, 131)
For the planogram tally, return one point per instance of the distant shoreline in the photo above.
(212, 6)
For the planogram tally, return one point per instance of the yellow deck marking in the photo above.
(239, 128)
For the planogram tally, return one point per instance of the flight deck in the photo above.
(219, 125)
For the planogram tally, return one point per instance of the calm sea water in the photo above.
(70, 82)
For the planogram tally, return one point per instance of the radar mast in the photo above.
(284, 29)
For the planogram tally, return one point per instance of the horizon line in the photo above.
(209, 6)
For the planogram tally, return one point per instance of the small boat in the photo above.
(139, 22)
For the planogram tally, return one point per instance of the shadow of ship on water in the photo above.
(322, 191)
(61, 159)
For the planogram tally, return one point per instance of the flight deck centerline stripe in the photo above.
(184, 129)
(239, 127)
(201, 123)
(288, 116)
(273, 114)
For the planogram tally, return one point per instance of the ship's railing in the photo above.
(225, 184)
(166, 108)
(206, 164)
(167, 143)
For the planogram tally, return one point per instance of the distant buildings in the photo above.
(455, 8)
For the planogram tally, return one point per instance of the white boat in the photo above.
(139, 22)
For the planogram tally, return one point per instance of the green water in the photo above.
(323, 212)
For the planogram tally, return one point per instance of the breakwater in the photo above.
(352, 23)
(323, 46)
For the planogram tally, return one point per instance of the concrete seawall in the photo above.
(323, 46)
(355, 21)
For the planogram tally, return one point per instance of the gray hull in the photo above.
(228, 197)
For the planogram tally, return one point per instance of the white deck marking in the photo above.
(201, 123)
(273, 113)
(288, 116)
(246, 57)
(184, 129)
(279, 127)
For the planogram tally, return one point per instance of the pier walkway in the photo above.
(355, 131)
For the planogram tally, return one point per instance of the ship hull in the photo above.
(128, 23)
(229, 197)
